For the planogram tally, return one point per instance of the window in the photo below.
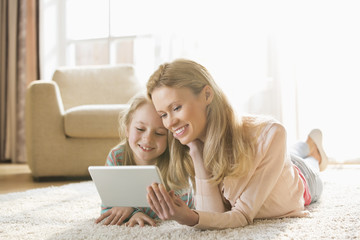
(94, 32)
(272, 58)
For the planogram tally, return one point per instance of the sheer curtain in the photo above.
(298, 62)
(19, 66)
(317, 65)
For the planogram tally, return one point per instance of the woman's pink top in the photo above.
(272, 189)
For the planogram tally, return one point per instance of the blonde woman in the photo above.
(240, 168)
(144, 143)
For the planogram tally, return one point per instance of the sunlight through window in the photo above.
(286, 59)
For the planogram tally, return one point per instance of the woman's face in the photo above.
(146, 135)
(182, 112)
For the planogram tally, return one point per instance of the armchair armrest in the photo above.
(44, 112)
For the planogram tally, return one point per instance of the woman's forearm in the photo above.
(208, 196)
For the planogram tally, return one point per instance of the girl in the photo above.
(145, 144)
(240, 167)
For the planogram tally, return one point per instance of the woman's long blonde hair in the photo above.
(125, 118)
(230, 144)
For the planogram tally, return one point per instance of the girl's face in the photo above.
(147, 135)
(183, 112)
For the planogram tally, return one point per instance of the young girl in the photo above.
(145, 144)
(240, 167)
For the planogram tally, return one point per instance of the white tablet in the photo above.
(124, 186)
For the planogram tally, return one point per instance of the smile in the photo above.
(146, 149)
(180, 131)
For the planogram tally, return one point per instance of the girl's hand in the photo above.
(168, 206)
(115, 215)
(140, 218)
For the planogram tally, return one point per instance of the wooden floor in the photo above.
(17, 177)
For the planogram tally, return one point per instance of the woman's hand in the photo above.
(115, 215)
(141, 219)
(196, 153)
(168, 206)
(196, 150)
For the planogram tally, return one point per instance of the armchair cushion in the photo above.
(96, 84)
(93, 121)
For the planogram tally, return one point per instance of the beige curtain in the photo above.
(19, 66)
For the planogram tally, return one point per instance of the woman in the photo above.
(240, 168)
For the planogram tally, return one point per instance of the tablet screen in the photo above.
(124, 186)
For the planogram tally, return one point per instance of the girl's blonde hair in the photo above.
(229, 146)
(125, 118)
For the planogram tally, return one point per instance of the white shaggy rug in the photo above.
(69, 211)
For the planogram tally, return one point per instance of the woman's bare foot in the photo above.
(314, 151)
(316, 148)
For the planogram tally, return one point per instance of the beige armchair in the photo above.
(72, 120)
